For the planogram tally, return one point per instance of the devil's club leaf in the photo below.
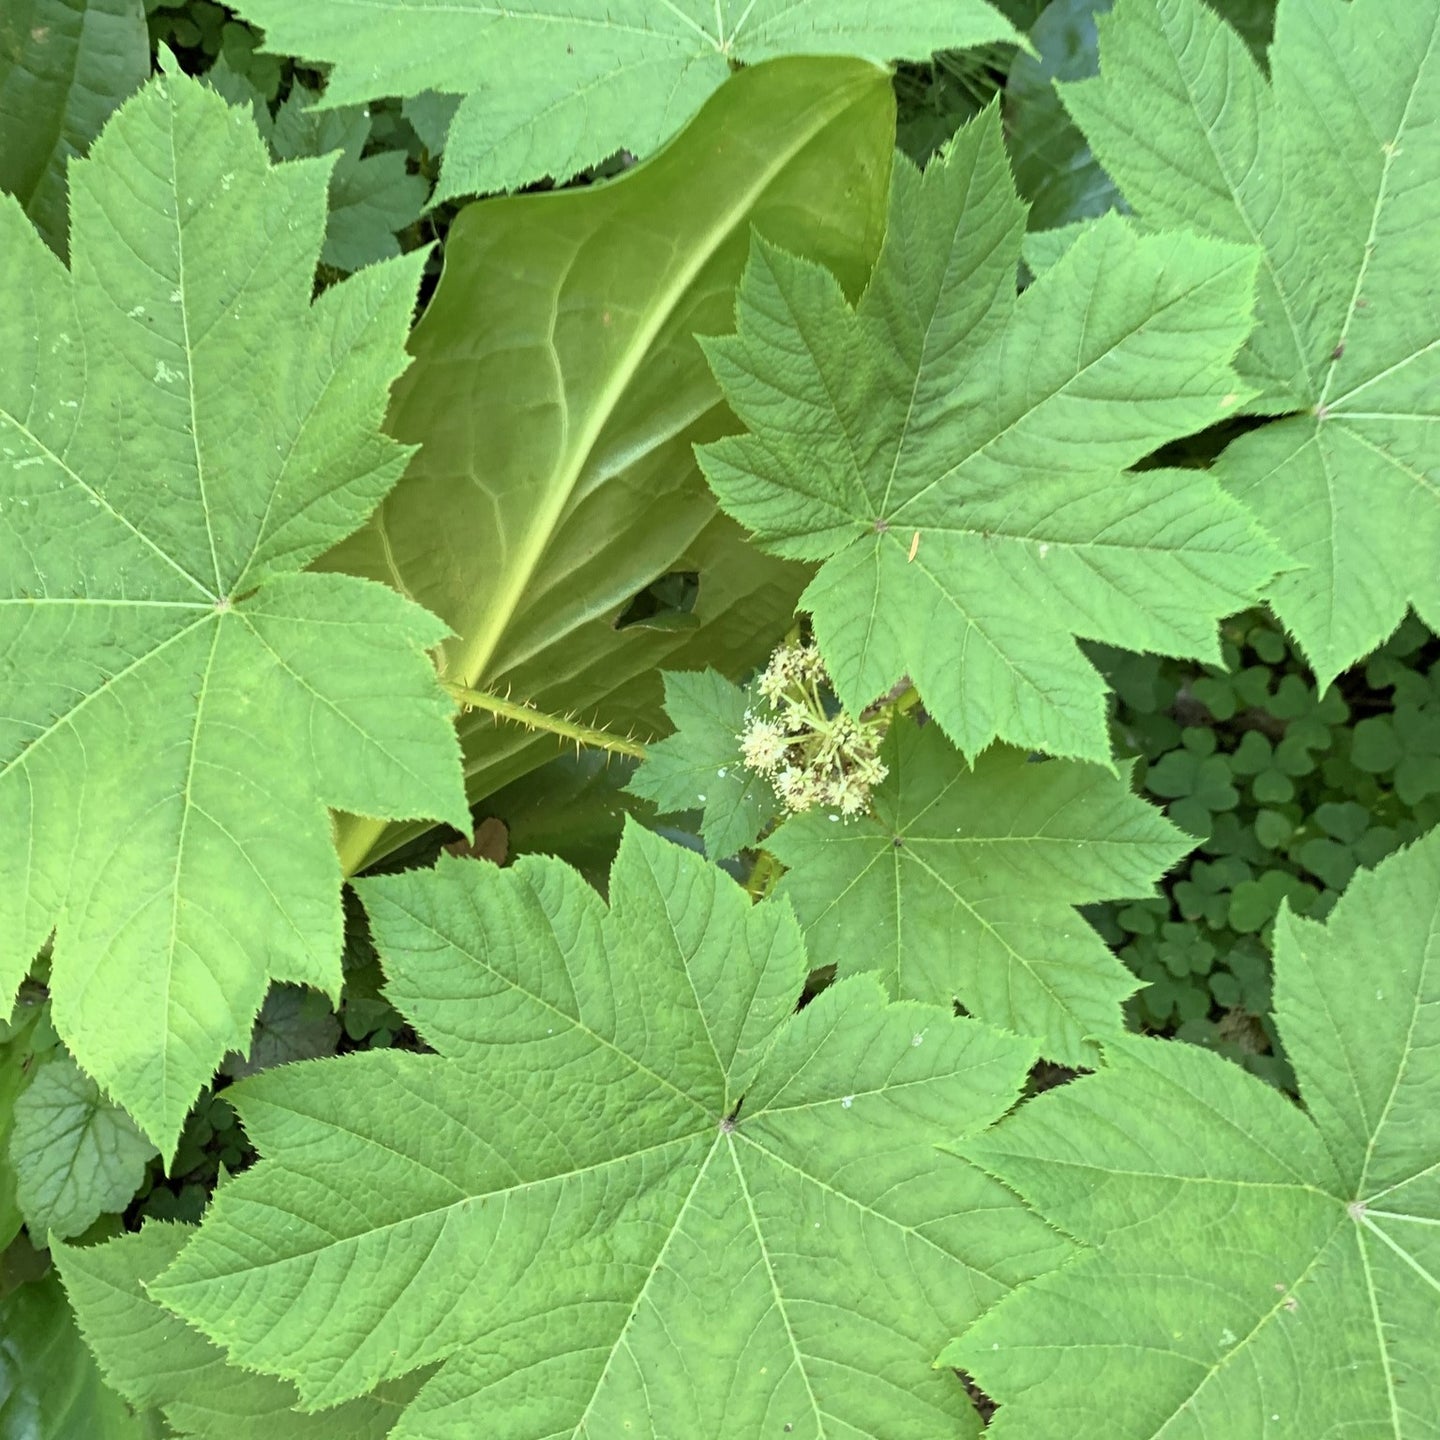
(698, 767)
(958, 459)
(553, 87)
(1331, 167)
(180, 430)
(635, 1192)
(76, 1155)
(155, 1360)
(961, 883)
(557, 394)
(1257, 1270)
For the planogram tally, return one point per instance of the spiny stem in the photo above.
(539, 720)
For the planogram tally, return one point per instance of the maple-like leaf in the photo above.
(158, 1362)
(552, 86)
(635, 1192)
(1257, 1269)
(1330, 166)
(698, 767)
(181, 431)
(958, 459)
(961, 885)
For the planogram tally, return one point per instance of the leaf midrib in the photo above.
(473, 657)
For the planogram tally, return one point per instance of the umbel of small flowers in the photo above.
(811, 752)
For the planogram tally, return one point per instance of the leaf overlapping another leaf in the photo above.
(961, 885)
(553, 86)
(699, 766)
(1256, 1269)
(64, 66)
(1331, 168)
(558, 391)
(634, 1192)
(158, 1362)
(178, 437)
(958, 459)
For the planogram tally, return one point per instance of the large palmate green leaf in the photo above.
(557, 392)
(64, 66)
(1331, 168)
(50, 1388)
(958, 459)
(961, 885)
(180, 432)
(157, 1361)
(1257, 1270)
(635, 1193)
(552, 86)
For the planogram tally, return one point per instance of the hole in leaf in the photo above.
(665, 604)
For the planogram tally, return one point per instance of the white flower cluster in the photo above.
(811, 752)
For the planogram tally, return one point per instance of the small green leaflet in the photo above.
(157, 1361)
(76, 1156)
(371, 196)
(698, 767)
(553, 86)
(64, 66)
(1331, 167)
(1257, 1270)
(634, 1192)
(961, 885)
(958, 459)
(181, 431)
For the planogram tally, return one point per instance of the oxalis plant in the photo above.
(777, 1084)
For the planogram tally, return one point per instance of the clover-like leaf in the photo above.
(958, 459)
(1256, 1269)
(158, 1362)
(551, 88)
(962, 882)
(635, 1193)
(181, 430)
(1330, 167)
